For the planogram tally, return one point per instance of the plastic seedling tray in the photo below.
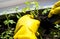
(7, 5)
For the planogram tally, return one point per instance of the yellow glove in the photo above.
(26, 28)
(22, 21)
(55, 11)
(24, 33)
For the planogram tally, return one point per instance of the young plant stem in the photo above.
(40, 36)
(7, 20)
(18, 12)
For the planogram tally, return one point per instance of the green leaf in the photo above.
(10, 15)
(57, 26)
(7, 32)
(12, 29)
(32, 13)
(45, 11)
(17, 16)
(36, 4)
(7, 36)
(27, 3)
(25, 9)
(3, 33)
(16, 8)
(10, 37)
(6, 22)
(12, 21)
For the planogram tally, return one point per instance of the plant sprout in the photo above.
(7, 21)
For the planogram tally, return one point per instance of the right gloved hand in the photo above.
(55, 10)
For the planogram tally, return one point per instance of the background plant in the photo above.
(55, 33)
(8, 34)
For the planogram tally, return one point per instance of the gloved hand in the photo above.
(55, 11)
(26, 27)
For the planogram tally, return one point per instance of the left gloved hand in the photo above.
(26, 27)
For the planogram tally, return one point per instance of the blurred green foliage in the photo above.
(9, 32)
